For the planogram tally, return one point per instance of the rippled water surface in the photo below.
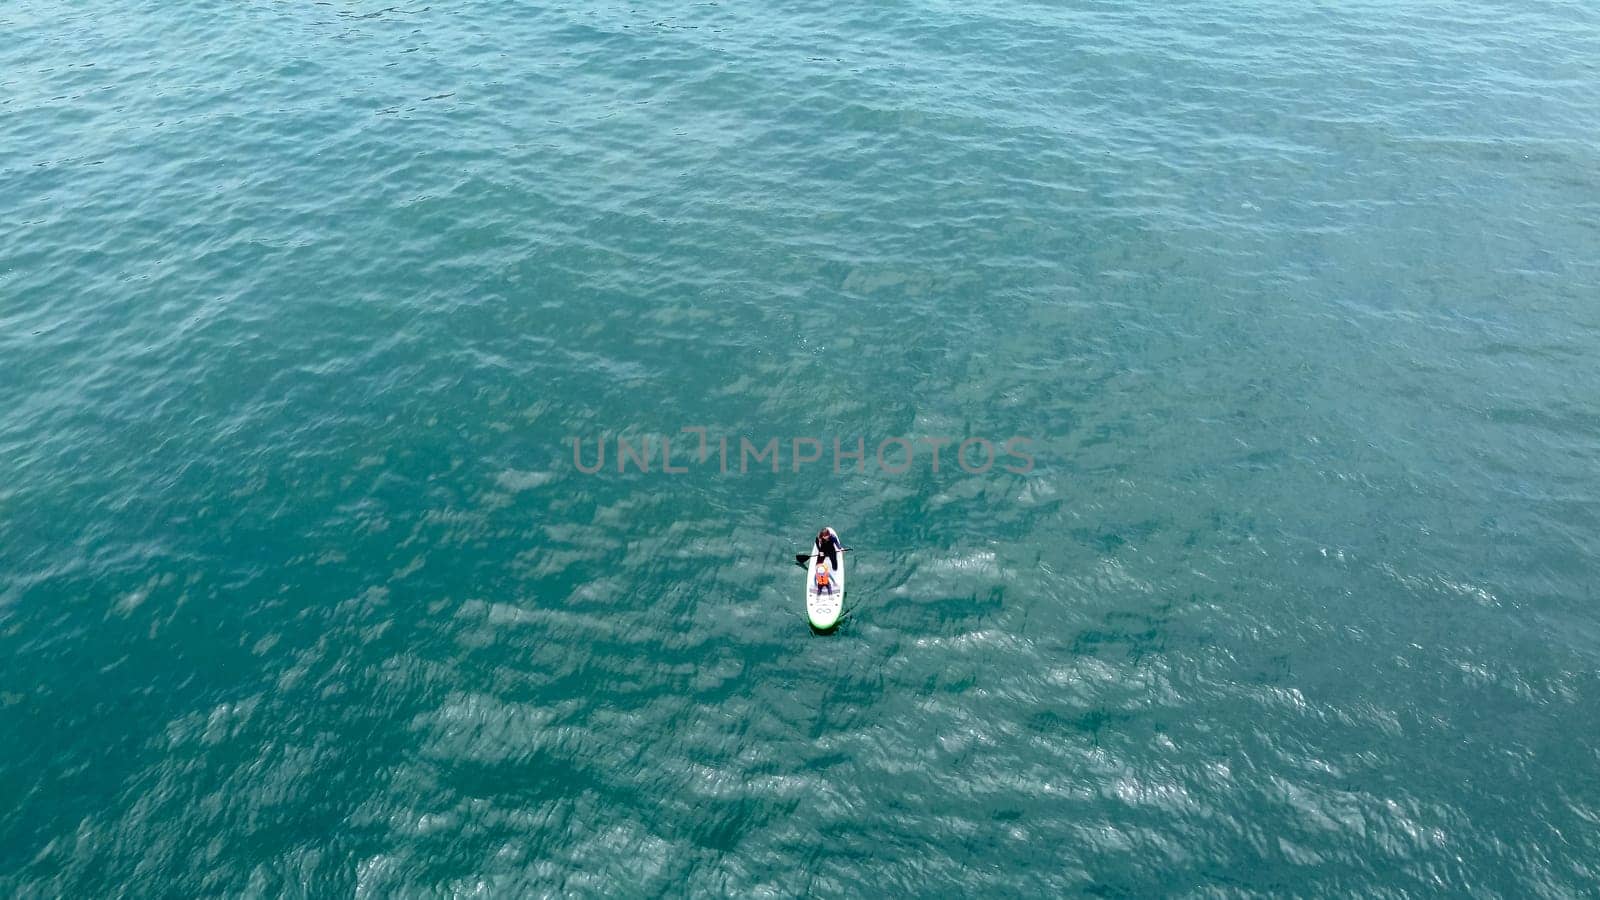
(302, 305)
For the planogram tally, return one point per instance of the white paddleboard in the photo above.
(823, 607)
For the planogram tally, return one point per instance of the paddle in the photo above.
(801, 559)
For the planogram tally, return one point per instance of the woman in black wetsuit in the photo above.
(828, 546)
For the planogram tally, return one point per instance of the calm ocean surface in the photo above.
(303, 304)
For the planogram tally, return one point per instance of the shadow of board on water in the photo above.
(850, 702)
(945, 616)
(941, 615)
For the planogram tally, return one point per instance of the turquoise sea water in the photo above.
(302, 305)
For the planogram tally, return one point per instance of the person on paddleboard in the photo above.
(828, 546)
(824, 579)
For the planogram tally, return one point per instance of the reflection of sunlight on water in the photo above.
(516, 480)
(978, 561)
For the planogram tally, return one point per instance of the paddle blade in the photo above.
(802, 559)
